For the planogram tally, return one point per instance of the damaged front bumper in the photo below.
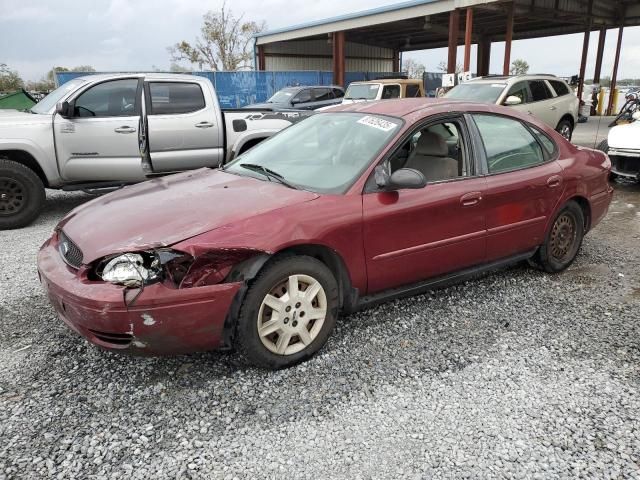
(162, 321)
(625, 163)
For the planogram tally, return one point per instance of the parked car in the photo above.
(623, 147)
(385, 89)
(104, 131)
(547, 97)
(342, 210)
(303, 98)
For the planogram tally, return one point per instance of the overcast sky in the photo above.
(134, 35)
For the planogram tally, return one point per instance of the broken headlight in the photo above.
(144, 268)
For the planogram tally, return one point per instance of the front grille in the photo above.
(625, 164)
(70, 252)
(115, 339)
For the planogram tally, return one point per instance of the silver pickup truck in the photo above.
(102, 132)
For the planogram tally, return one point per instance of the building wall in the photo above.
(318, 55)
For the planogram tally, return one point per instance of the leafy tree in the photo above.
(224, 43)
(413, 68)
(519, 67)
(9, 79)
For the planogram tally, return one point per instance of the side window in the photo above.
(338, 93)
(175, 98)
(303, 96)
(561, 88)
(322, 94)
(521, 91)
(390, 91)
(437, 151)
(117, 98)
(413, 91)
(521, 151)
(539, 90)
(547, 143)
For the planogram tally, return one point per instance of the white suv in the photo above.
(547, 97)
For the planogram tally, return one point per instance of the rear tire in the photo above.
(565, 128)
(288, 313)
(563, 240)
(22, 195)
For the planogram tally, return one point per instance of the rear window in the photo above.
(561, 88)
(413, 91)
(175, 98)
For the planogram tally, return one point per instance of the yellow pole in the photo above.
(601, 95)
(614, 110)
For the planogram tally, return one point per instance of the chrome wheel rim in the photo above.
(565, 131)
(292, 315)
(563, 237)
(12, 196)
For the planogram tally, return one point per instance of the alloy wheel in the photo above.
(12, 196)
(565, 131)
(292, 314)
(563, 237)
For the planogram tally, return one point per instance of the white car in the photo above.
(623, 148)
(547, 97)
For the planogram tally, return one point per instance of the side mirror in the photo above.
(64, 109)
(402, 179)
(512, 100)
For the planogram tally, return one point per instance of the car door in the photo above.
(543, 104)
(322, 98)
(412, 235)
(303, 99)
(101, 142)
(183, 128)
(524, 184)
(520, 90)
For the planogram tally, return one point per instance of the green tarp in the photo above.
(19, 100)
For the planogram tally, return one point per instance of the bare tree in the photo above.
(519, 67)
(224, 43)
(9, 79)
(413, 68)
(444, 67)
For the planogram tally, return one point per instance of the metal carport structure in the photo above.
(379, 36)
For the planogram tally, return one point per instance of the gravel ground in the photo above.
(518, 374)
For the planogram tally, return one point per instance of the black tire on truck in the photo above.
(22, 195)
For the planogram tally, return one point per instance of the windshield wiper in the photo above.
(267, 172)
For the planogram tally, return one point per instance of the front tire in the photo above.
(22, 195)
(288, 313)
(565, 128)
(563, 241)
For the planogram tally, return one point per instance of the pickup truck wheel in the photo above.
(563, 240)
(22, 195)
(288, 313)
(565, 129)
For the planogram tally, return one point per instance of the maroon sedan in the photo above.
(347, 208)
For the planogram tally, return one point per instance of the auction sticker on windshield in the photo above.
(379, 123)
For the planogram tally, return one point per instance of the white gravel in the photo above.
(516, 375)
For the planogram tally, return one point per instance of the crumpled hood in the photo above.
(167, 210)
(625, 136)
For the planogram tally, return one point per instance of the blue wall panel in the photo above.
(237, 89)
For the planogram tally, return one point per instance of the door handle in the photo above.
(553, 107)
(554, 181)
(530, 112)
(471, 199)
(125, 129)
(204, 125)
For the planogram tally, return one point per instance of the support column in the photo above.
(484, 56)
(262, 63)
(508, 39)
(583, 63)
(601, 41)
(454, 27)
(614, 77)
(468, 33)
(396, 62)
(338, 59)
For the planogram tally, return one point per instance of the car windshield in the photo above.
(283, 96)
(477, 92)
(362, 91)
(325, 153)
(45, 105)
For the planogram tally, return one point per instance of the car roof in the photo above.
(390, 80)
(405, 107)
(152, 76)
(513, 78)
